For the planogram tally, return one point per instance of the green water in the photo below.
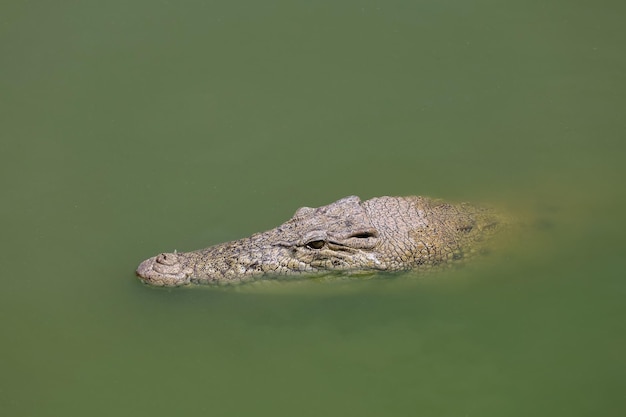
(131, 128)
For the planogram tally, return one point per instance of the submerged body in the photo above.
(349, 235)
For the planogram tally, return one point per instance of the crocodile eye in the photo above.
(315, 244)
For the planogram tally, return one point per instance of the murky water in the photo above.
(134, 128)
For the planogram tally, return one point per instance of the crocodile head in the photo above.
(336, 237)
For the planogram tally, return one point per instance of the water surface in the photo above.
(134, 128)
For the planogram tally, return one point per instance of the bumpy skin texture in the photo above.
(349, 235)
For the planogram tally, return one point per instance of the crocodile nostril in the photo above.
(167, 259)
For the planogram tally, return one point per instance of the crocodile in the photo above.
(347, 236)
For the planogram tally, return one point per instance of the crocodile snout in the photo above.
(165, 270)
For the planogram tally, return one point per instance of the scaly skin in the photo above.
(349, 235)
